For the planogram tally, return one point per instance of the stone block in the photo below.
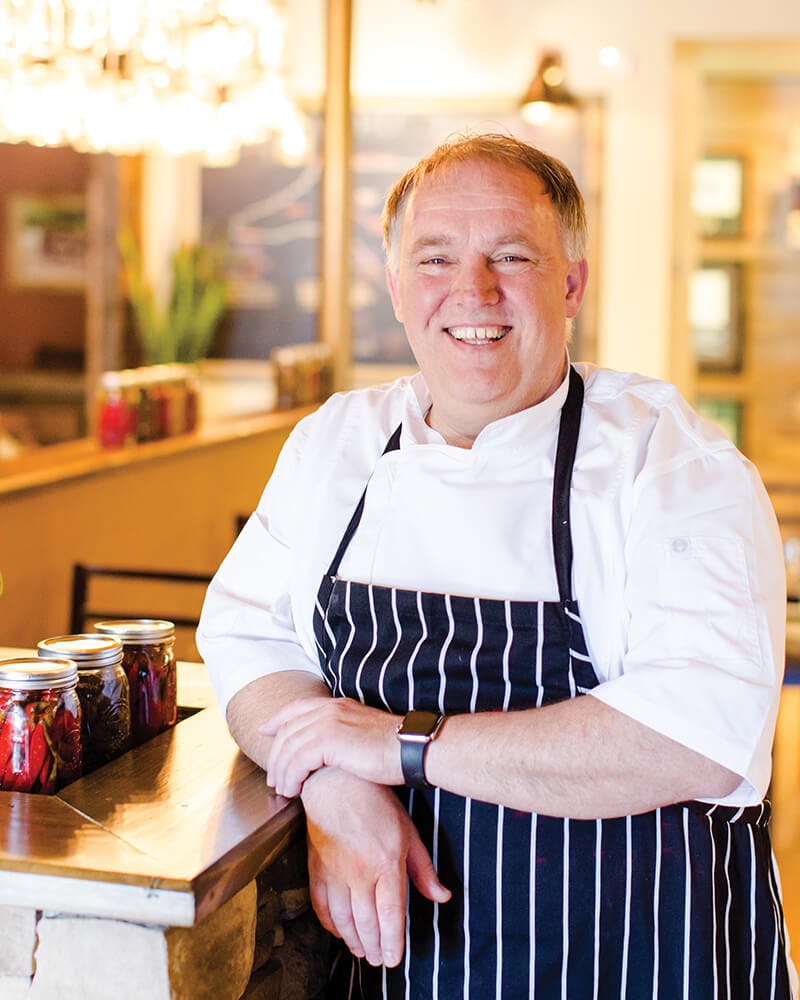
(294, 902)
(265, 943)
(83, 958)
(15, 987)
(17, 941)
(266, 983)
(269, 908)
(213, 960)
(304, 956)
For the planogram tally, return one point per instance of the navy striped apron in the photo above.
(680, 902)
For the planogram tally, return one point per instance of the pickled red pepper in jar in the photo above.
(149, 662)
(40, 725)
(102, 691)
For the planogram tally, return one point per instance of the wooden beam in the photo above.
(102, 276)
(335, 209)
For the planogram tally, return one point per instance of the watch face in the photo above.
(419, 724)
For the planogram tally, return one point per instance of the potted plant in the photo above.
(183, 330)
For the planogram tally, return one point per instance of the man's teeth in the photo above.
(477, 334)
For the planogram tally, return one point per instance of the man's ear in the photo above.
(394, 291)
(577, 276)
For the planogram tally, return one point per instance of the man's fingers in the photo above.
(422, 873)
(365, 918)
(340, 908)
(319, 901)
(390, 905)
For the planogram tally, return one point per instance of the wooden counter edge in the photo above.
(85, 457)
(123, 868)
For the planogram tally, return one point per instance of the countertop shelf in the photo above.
(85, 457)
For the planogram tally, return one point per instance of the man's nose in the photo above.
(476, 283)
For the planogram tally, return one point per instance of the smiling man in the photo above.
(513, 629)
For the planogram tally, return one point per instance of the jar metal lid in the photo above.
(33, 673)
(138, 629)
(87, 649)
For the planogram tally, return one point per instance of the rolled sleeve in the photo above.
(247, 627)
(706, 602)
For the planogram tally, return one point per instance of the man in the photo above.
(567, 592)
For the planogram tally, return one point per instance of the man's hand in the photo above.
(362, 846)
(311, 733)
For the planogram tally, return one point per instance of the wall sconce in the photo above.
(547, 91)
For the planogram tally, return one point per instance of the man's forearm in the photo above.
(579, 758)
(256, 703)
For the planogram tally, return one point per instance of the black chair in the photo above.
(113, 592)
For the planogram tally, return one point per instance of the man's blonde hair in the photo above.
(497, 148)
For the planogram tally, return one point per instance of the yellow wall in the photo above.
(176, 511)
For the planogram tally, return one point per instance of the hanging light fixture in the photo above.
(547, 91)
(132, 76)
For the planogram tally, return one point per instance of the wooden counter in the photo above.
(163, 835)
(85, 457)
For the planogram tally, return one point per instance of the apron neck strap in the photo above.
(391, 445)
(562, 481)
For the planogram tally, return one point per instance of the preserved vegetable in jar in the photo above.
(149, 662)
(102, 690)
(40, 724)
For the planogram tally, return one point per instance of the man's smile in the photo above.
(477, 334)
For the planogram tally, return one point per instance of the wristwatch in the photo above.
(415, 732)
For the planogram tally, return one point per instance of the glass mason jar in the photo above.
(149, 662)
(103, 692)
(40, 724)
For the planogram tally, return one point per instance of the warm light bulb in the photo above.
(537, 112)
(609, 57)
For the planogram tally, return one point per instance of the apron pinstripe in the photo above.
(680, 902)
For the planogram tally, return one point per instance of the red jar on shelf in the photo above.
(40, 724)
(116, 418)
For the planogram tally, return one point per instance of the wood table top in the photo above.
(164, 834)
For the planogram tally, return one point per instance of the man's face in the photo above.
(484, 289)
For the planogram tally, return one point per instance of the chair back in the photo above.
(114, 592)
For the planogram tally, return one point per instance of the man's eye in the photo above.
(434, 260)
(512, 258)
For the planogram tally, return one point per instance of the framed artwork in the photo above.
(715, 316)
(718, 194)
(47, 241)
(725, 413)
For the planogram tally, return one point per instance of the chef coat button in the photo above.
(679, 545)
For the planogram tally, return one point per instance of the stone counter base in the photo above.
(263, 944)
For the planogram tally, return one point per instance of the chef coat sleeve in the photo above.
(706, 600)
(247, 627)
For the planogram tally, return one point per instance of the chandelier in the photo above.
(133, 76)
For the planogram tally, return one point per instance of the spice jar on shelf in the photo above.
(40, 724)
(103, 693)
(149, 662)
(117, 409)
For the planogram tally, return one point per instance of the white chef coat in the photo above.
(678, 569)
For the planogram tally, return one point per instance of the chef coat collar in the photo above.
(506, 431)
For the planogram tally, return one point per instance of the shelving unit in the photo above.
(742, 101)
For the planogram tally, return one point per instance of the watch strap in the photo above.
(412, 760)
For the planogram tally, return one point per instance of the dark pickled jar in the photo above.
(149, 662)
(40, 724)
(103, 693)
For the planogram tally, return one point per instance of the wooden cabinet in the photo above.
(739, 104)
